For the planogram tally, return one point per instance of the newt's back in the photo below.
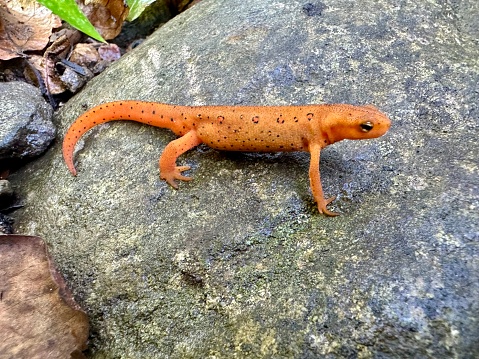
(258, 128)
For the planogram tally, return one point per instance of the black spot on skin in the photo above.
(309, 116)
(153, 112)
(255, 119)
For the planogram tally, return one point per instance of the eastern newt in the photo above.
(239, 128)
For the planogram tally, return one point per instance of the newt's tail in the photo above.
(151, 113)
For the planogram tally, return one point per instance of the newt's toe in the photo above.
(322, 207)
(175, 174)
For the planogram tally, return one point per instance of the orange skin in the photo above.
(240, 128)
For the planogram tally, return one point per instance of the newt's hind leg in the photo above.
(169, 171)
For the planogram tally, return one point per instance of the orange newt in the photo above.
(239, 128)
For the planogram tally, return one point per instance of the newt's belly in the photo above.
(253, 133)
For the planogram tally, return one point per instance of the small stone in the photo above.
(26, 129)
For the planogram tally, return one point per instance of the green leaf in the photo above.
(69, 11)
(137, 7)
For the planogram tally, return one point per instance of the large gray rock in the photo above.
(238, 263)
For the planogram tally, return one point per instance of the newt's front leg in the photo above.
(315, 180)
(169, 171)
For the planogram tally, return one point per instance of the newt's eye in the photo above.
(366, 126)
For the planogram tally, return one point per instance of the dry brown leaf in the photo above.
(56, 52)
(85, 55)
(38, 316)
(44, 67)
(106, 15)
(25, 25)
(37, 69)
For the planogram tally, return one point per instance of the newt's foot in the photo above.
(175, 174)
(322, 207)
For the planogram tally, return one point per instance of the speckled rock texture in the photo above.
(238, 263)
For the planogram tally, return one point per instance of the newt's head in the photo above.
(355, 123)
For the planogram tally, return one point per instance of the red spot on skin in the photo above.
(255, 119)
(220, 119)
